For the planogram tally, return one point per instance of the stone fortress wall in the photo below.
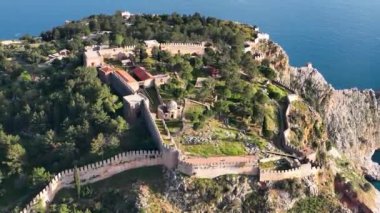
(121, 87)
(151, 125)
(94, 55)
(168, 156)
(304, 170)
(101, 170)
(184, 48)
(218, 166)
(285, 137)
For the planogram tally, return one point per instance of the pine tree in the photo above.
(77, 181)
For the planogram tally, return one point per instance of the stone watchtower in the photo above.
(132, 106)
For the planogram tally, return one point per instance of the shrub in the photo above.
(328, 145)
(276, 93)
(366, 187)
(268, 72)
(315, 204)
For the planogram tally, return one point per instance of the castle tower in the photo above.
(132, 104)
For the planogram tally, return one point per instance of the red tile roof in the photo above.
(106, 69)
(125, 76)
(142, 73)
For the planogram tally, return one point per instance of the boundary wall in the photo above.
(285, 136)
(183, 48)
(120, 85)
(151, 125)
(304, 170)
(98, 171)
(247, 165)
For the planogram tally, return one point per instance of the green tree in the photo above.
(39, 207)
(98, 144)
(119, 39)
(12, 154)
(39, 177)
(77, 181)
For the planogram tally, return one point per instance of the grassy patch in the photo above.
(271, 114)
(301, 106)
(219, 149)
(174, 126)
(276, 92)
(348, 172)
(267, 165)
(193, 110)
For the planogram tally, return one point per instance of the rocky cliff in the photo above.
(352, 116)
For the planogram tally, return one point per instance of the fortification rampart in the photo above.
(100, 170)
(284, 85)
(121, 87)
(151, 125)
(304, 170)
(183, 44)
(285, 136)
(183, 48)
(214, 167)
(94, 55)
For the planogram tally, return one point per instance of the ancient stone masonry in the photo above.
(151, 124)
(304, 170)
(102, 170)
(216, 166)
(286, 143)
(184, 48)
(94, 55)
(122, 87)
(168, 155)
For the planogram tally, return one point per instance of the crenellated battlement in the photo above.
(216, 166)
(183, 44)
(97, 171)
(304, 170)
(184, 48)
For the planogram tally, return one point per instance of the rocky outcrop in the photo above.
(352, 116)
(226, 193)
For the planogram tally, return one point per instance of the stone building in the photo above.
(169, 111)
(261, 37)
(132, 106)
(94, 55)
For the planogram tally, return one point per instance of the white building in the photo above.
(126, 15)
(169, 111)
(262, 37)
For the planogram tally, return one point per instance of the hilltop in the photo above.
(213, 105)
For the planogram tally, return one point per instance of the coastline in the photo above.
(352, 115)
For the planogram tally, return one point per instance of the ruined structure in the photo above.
(94, 56)
(304, 170)
(170, 110)
(100, 171)
(137, 104)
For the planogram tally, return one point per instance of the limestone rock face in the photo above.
(206, 195)
(352, 116)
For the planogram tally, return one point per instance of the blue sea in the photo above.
(340, 37)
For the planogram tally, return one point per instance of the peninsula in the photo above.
(177, 113)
